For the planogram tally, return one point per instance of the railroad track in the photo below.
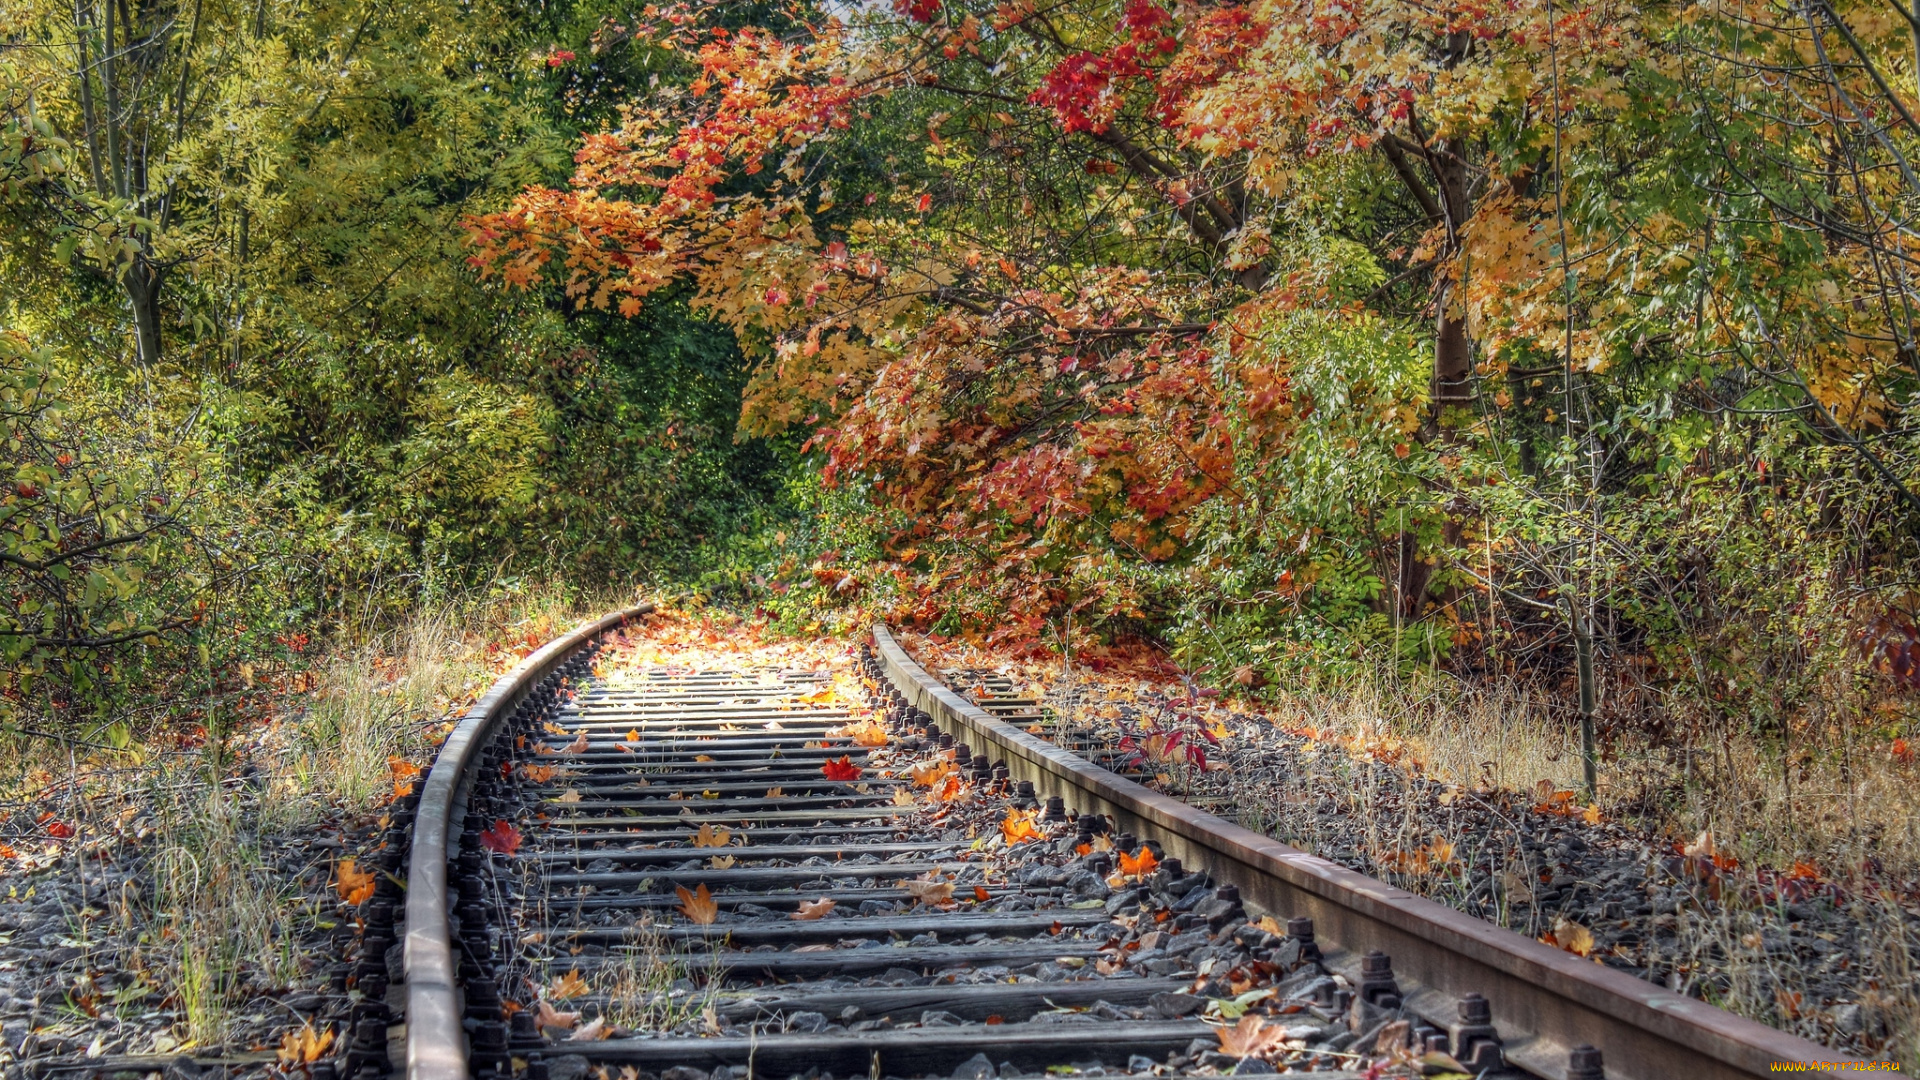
(762, 872)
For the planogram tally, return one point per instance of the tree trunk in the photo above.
(142, 282)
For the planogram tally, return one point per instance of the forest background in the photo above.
(1555, 353)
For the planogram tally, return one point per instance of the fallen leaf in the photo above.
(570, 985)
(842, 770)
(1020, 825)
(864, 733)
(711, 836)
(539, 774)
(1251, 1037)
(930, 890)
(930, 773)
(1138, 865)
(980, 895)
(902, 797)
(503, 837)
(633, 735)
(703, 757)
(304, 1046)
(569, 796)
(549, 1017)
(1573, 937)
(776, 793)
(812, 909)
(722, 862)
(354, 885)
(699, 906)
(592, 1031)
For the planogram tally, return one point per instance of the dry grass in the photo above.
(235, 881)
(1847, 811)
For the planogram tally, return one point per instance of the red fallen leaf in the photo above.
(59, 830)
(980, 894)
(503, 837)
(844, 769)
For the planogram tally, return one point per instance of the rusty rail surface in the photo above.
(436, 1043)
(1545, 1001)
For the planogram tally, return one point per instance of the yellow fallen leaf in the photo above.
(721, 862)
(712, 836)
(569, 796)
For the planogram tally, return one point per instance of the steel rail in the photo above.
(436, 1043)
(1545, 1001)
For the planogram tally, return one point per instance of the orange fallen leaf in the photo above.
(539, 774)
(354, 885)
(812, 909)
(703, 757)
(980, 895)
(304, 1046)
(776, 793)
(841, 771)
(1138, 865)
(710, 836)
(864, 733)
(577, 746)
(1020, 825)
(930, 773)
(570, 985)
(633, 735)
(699, 906)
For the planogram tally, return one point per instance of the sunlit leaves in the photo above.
(354, 884)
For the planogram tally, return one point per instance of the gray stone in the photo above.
(976, 1067)
(574, 1067)
(1175, 1006)
(1140, 1063)
(807, 1023)
(1254, 1067)
(1086, 885)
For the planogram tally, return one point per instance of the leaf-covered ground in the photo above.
(1828, 959)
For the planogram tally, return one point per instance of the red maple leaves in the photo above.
(843, 770)
(503, 837)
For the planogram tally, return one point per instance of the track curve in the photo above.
(721, 873)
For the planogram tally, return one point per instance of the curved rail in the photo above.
(1546, 1000)
(436, 1044)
